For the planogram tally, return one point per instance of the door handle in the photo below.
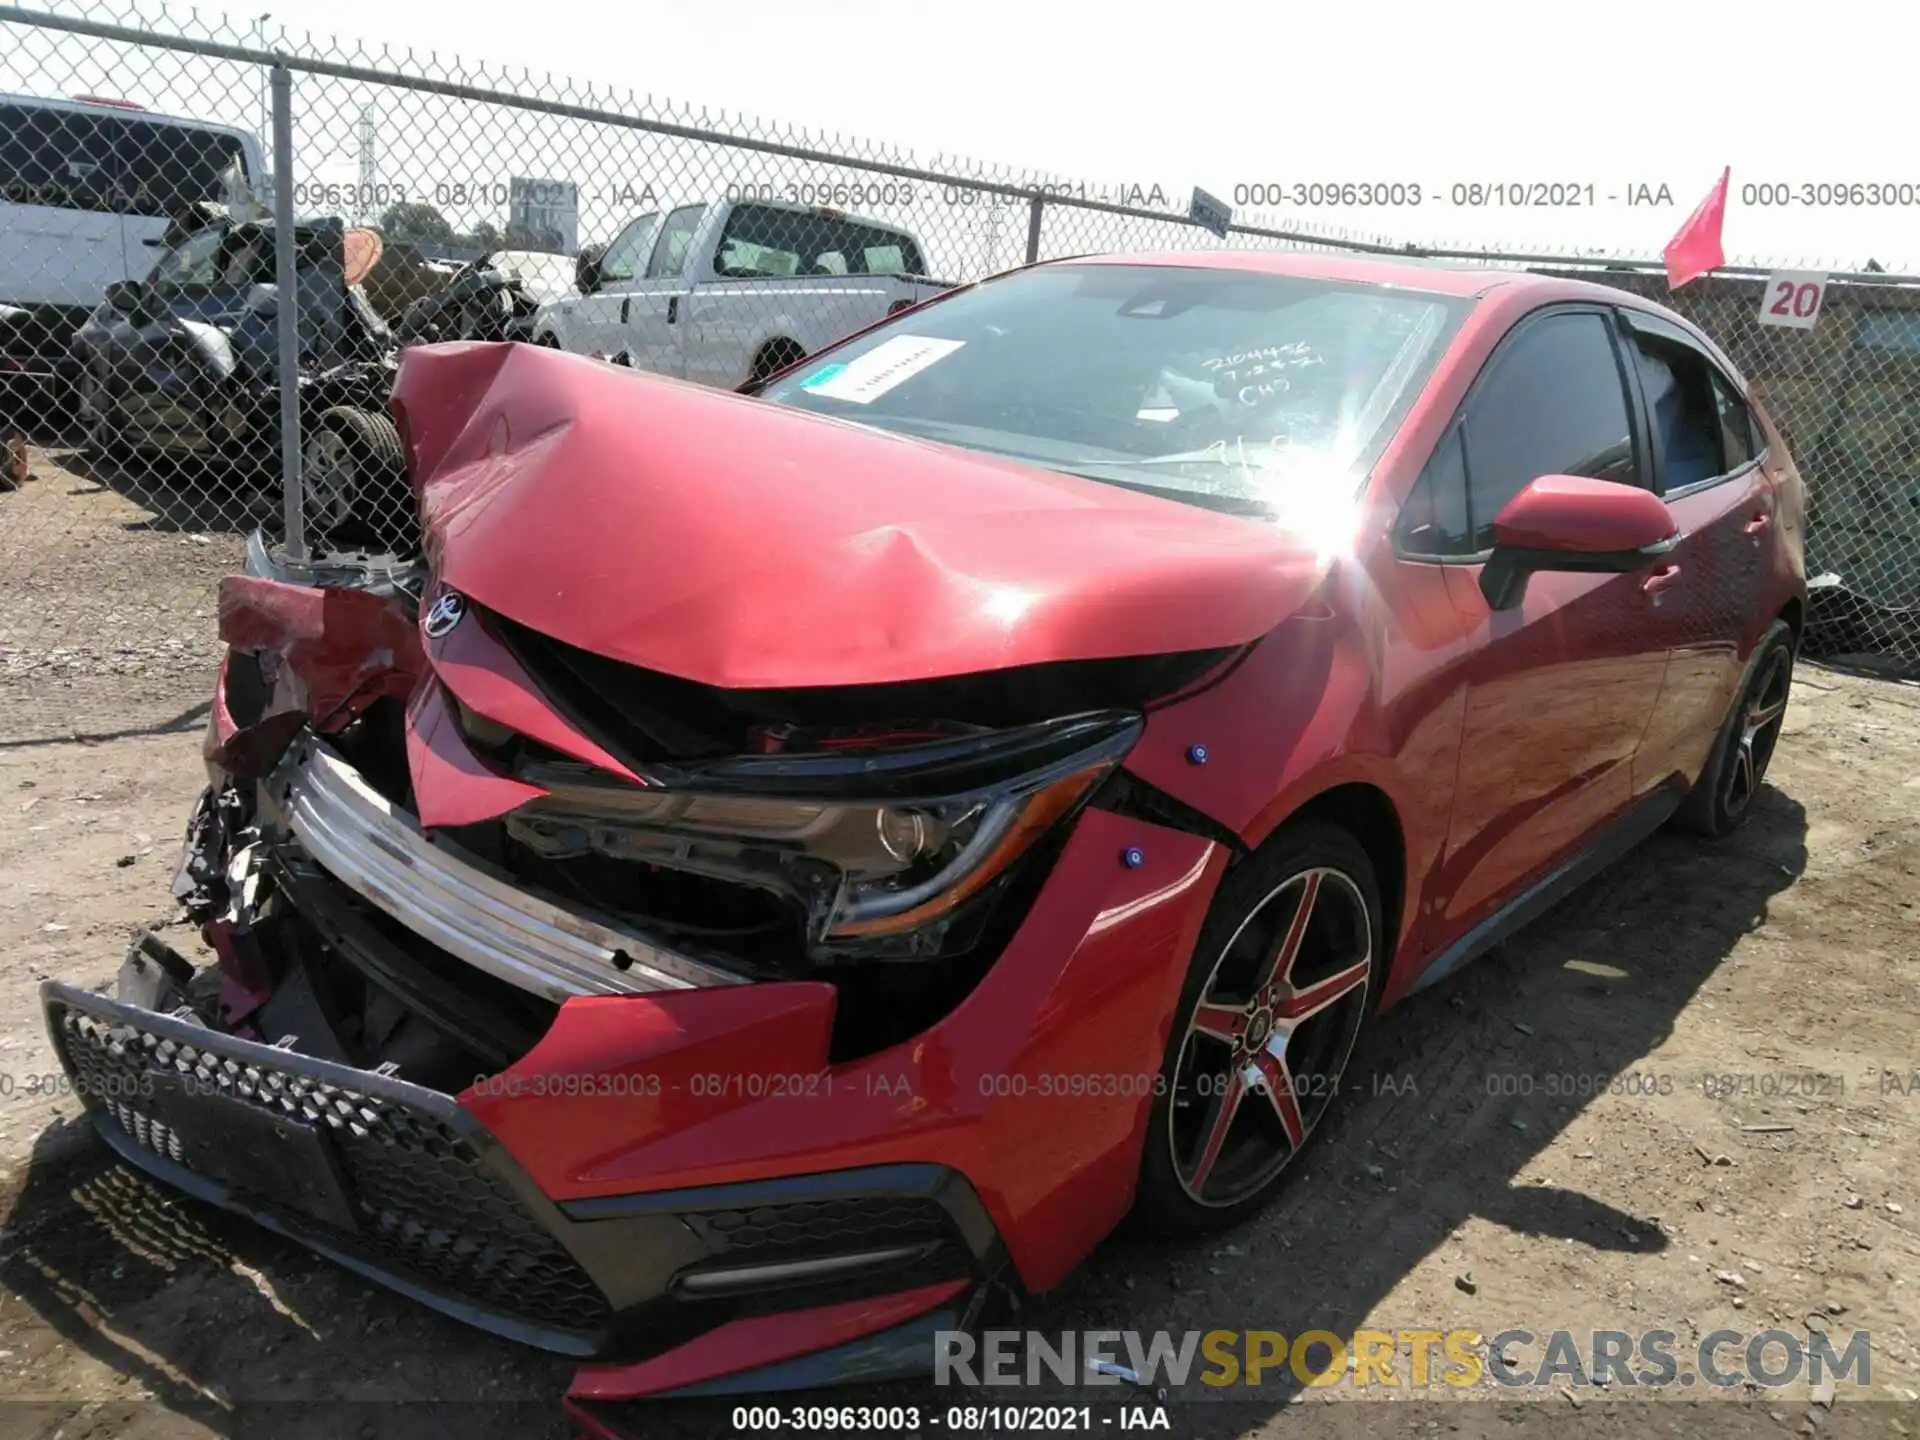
(1758, 524)
(1660, 580)
(673, 308)
(626, 308)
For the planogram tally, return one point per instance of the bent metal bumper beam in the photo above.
(456, 900)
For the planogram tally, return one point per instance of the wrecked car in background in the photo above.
(185, 363)
(495, 297)
(785, 872)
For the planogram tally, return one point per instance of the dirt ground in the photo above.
(1687, 1099)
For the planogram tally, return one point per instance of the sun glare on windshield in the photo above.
(1223, 388)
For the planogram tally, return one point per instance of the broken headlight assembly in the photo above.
(884, 851)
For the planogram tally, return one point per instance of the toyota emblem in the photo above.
(444, 614)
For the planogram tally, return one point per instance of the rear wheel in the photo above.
(774, 357)
(1283, 977)
(1724, 793)
(354, 481)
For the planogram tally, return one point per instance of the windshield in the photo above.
(193, 264)
(1224, 388)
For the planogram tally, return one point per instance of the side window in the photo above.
(1737, 425)
(247, 261)
(623, 254)
(164, 169)
(1552, 404)
(1678, 381)
(55, 158)
(676, 239)
(1434, 520)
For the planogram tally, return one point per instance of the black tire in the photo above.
(1722, 796)
(100, 436)
(775, 356)
(354, 481)
(1251, 917)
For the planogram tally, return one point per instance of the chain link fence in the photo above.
(160, 402)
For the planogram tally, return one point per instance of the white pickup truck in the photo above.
(730, 291)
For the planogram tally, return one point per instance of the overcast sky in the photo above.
(1614, 97)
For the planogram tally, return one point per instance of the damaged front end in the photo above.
(624, 1012)
(364, 1067)
(397, 878)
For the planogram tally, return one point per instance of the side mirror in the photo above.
(124, 296)
(1571, 523)
(586, 269)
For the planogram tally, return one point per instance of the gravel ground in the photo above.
(1534, 1145)
(107, 580)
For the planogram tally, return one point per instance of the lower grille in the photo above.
(772, 1232)
(394, 1178)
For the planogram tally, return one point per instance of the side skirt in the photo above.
(1608, 846)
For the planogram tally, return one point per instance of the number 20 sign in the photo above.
(1793, 297)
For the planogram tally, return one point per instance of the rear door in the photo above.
(1705, 465)
(1559, 690)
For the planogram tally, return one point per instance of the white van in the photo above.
(84, 184)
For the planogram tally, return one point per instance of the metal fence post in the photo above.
(1034, 214)
(287, 312)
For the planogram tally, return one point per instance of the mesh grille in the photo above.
(426, 1205)
(771, 1232)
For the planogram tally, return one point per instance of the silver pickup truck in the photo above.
(729, 291)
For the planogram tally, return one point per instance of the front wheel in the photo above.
(100, 428)
(1284, 975)
(354, 480)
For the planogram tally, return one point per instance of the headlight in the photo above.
(913, 835)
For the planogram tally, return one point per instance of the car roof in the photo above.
(830, 212)
(123, 112)
(1406, 272)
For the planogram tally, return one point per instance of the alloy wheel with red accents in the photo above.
(1282, 980)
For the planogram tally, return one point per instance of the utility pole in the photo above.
(369, 163)
(993, 222)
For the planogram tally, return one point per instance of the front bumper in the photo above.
(455, 901)
(676, 1182)
(405, 1186)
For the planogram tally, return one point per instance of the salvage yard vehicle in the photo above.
(84, 185)
(186, 362)
(496, 297)
(790, 870)
(729, 292)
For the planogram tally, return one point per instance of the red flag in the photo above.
(1695, 247)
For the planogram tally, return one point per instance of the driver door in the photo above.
(1559, 690)
(590, 324)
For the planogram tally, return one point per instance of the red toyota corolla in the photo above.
(787, 869)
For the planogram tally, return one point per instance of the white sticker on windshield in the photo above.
(880, 369)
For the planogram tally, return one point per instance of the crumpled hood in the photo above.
(737, 543)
